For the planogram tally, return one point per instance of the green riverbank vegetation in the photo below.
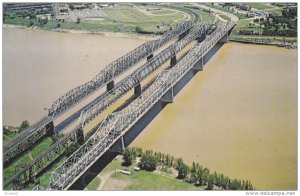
(196, 174)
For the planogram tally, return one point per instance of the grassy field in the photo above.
(276, 11)
(10, 170)
(163, 12)
(8, 137)
(225, 17)
(143, 180)
(241, 16)
(121, 18)
(93, 185)
(259, 5)
(41, 147)
(27, 158)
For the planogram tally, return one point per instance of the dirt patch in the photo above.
(115, 184)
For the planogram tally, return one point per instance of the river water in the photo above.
(238, 116)
(40, 66)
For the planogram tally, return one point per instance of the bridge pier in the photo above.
(79, 136)
(224, 39)
(110, 85)
(173, 61)
(201, 38)
(199, 65)
(182, 35)
(119, 146)
(149, 57)
(138, 90)
(50, 128)
(168, 97)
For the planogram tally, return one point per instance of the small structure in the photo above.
(125, 172)
(137, 169)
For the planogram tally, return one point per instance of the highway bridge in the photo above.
(185, 33)
(106, 77)
(118, 123)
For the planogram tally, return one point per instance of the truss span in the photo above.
(118, 123)
(113, 70)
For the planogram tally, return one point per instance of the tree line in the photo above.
(196, 174)
(275, 25)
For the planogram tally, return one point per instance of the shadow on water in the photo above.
(101, 163)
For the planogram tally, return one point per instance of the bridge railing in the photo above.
(112, 70)
(118, 123)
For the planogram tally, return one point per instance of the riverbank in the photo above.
(74, 31)
(286, 42)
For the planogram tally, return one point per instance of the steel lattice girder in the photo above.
(113, 70)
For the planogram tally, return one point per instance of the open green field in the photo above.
(259, 5)
(28, 157)
(225, 17)
(277, 11)
(41, 147)
(226, 9)
(10, 170)
(129, 18)
(143, 180)
(93, 185)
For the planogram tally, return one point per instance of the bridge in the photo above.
(186, 33)
(106, 76)
(117, 124)
(112, 129)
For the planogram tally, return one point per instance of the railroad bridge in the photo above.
(112, 134)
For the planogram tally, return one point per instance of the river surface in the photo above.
(238, 116)
(40, 66)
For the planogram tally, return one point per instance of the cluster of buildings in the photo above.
(247, 9)
(54, 10)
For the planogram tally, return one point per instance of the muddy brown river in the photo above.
(238, 116)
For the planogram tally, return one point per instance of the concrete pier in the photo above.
(168, 97)
(138, 90)
(119, 146)
(198, 65)
(110, 85)
(149, 57)
(224, 39)
(173, 61)
(50, 128)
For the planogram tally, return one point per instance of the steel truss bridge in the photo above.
(27, 173)
(118, 123)
(35, 132)
(104, 101)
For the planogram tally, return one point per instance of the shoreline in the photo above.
(74, 31)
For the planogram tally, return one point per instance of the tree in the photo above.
(205, 175)
(148, 162)
(210, 183)
(182, 169)
(25, 124)
(128, 157)
(138, 29)
(78, 20)
(235, 185)
(193, 172)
